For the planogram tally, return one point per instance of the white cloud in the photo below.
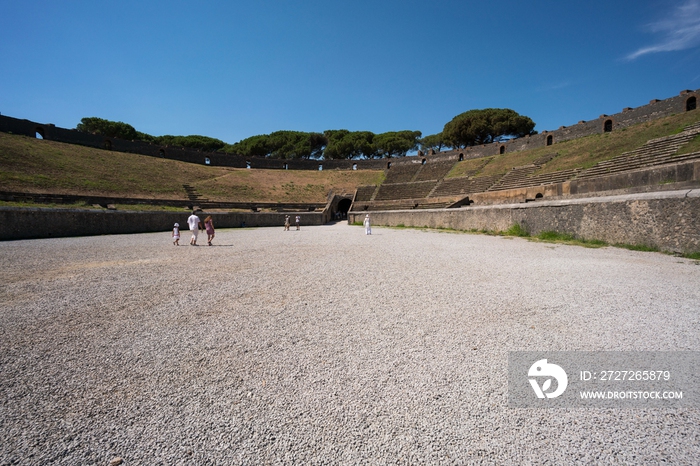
(680, 30)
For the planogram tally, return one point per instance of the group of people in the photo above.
(195, 224)
(287, 221)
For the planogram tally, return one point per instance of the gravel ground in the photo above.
(326, 346)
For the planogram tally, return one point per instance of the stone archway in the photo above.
(344, 205)
(342, 208)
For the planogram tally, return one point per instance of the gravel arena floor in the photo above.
(326, 346)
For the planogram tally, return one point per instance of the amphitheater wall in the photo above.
(669, 221)
(21, 223)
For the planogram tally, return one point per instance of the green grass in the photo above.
(637, 247)
(82, 205)
(692, 146)
(566, 238)
(78, 205)
(41, 166)
(554, 236)
(516, 230)
(469, 167)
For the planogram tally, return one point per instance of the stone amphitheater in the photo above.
(329, 346)
(423, 185)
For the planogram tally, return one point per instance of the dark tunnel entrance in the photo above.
(343, 207)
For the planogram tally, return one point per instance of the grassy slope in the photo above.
(31, 165)
(38, 166)
(585, 152)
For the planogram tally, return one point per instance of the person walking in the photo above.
(195, 224)
(176, 234)
(209, 226)
(368, 226)
(297, 219)
(286, 223)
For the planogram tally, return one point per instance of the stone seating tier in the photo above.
(403, 204)
(538, 180)
(415, 190)
(463, 186)
(425, 194)
(434, 170)
(655, 152)
(364, 193)
(401, 173)
(514, 178)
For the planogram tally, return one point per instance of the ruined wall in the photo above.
(669, 220)
(20, 223)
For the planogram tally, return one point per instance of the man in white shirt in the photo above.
(195, 223)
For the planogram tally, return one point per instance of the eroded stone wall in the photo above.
(21, 223)
(668, 220)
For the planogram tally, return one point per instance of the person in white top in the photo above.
(368, 227)
(176, 234)
(195, 224)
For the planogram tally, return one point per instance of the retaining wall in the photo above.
(20, 223)
(668, 220)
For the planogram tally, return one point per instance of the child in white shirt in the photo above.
(176, 234)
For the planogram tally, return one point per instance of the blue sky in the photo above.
(231, 70)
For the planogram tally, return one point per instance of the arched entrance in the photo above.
(691, 104)
(343, 208)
